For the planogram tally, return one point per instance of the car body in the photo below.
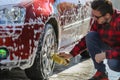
(116, 4)
(32, 30)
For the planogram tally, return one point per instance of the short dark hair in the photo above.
(104, 6)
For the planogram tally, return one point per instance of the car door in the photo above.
(84, 14)
(72, 16)
(68, 16)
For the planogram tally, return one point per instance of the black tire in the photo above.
(43, 64)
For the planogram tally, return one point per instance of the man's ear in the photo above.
(108, 15)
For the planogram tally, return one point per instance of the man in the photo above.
(103, 40)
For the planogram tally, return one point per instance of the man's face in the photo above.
(101, 19)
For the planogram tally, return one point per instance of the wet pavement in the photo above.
(76, 70)
(15, 74)
(82, 71)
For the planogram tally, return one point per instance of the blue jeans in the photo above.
(95, 45)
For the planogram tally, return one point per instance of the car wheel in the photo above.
(43, 64)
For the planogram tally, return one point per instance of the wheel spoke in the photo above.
(48, 49)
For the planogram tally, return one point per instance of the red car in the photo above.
(32, 30)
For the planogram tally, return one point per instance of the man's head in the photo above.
(102, 10)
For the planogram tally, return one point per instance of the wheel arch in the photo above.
(54, 23)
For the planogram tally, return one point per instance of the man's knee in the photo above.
(114, 65)
(91, 35)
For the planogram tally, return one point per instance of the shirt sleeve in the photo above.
(113, 54)
(78, 47)
(81, 45)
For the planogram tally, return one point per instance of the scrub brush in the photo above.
(60, 60)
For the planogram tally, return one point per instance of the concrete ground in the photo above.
(80, 71)
(76, 70)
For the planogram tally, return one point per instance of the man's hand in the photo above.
(65, 55)
(100, 57)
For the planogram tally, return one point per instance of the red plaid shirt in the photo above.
(109, 34)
